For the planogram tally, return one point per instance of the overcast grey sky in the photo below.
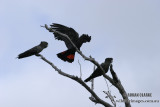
(126, 30)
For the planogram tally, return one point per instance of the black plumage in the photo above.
(98, 71)
(33, 51)
(69, 54)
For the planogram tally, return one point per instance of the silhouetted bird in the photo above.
(33, 51)
(98, 71)
(69, 54)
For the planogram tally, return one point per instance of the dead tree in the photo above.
(114, 80)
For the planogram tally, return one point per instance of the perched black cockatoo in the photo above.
(33, 51)
(98, 71)
(69, 54)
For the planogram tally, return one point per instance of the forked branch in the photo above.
(77, 79)
(115, 81)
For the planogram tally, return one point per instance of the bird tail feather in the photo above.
(25, 54)
(67, 55)
(88, 79)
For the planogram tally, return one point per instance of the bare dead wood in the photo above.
(117, 84)
(108, 93)
(80, 69)
(77, 79)
(120, 87)
(80, 52)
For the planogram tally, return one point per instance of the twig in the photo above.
(106, 83)
(109, 94)
(114, 75)
(110, 97)
(120, 87)
(92, 88)
(80, 69)
(92, 81)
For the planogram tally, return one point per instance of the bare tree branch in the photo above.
(79, 80)
(80, 69)
(117, 84)
(93, 99)
(92, 81)
(114, 75)
(86, 58)
(120, 87)
(110, 97)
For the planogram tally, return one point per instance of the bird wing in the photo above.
(29, 52)
(95, 74)
(72, 34)
(98, 72)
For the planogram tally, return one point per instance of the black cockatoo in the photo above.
(33, 51)
(98, 71)
(69, 54)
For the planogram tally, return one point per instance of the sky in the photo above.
(128, 31)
